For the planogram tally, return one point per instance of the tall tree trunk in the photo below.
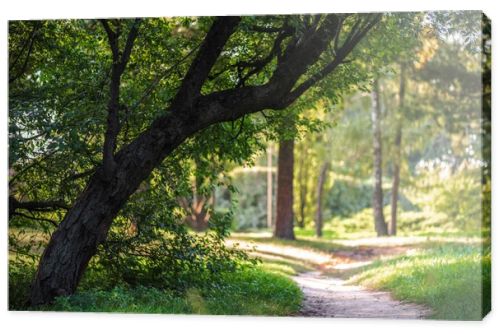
(270, 186)
(284, 206)
(302, 183)
(378, 196)
(319, 203)
(397, 156)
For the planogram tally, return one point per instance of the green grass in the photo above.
(285, 266)
(321, 245)
(449, 279)
(252, 291)
(264, 289)
(310, 232)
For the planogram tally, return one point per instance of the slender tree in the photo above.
(198, 204)
(284, 201)
(378, 196)
(319, 198)
(269, 204)
(397, 153)
(303, 178)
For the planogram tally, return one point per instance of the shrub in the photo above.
(177, 261)
(21, 273)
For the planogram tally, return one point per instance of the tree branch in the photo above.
(160, 76)
(34, 206)
(210, 50)
(346, 48)
(27, 41)
(112, 39)
(53, 222)
(129, 43)
(259, 64)
(117, 69)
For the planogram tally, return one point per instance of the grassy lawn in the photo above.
(264, 290)
(449, 279)
(248, 292)
(311, 243)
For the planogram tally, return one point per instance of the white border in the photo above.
(20, 322)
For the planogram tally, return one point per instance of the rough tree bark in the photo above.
(397, 155)
(319, 199)
(284, 202)
(87, 222)
(378, 196)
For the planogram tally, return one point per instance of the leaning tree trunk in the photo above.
(319, 198)
(284, 205)
(378, 197)
(397, 156)
(86, 224)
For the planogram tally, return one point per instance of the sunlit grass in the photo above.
(248, 292)
(449, 279)
(300, 242)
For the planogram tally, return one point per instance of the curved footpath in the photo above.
(327, 296)
(331, 297)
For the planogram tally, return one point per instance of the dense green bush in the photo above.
(149, 245)
(177, 261)
(457, 196)
(21, 273)
(460, 199)
(250, 211)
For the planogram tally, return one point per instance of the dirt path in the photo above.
(327, 296)
(331, 297)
